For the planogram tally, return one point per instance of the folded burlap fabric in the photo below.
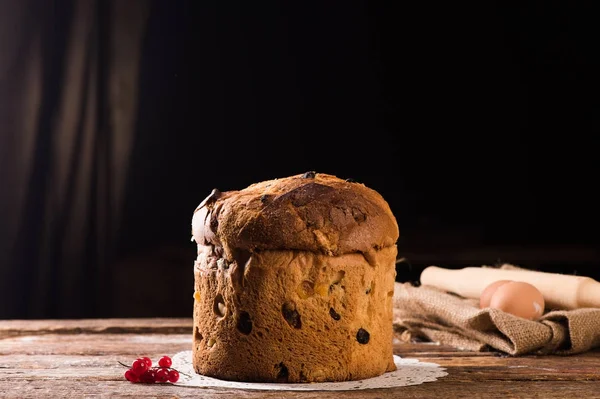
(426, 313)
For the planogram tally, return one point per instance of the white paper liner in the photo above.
(409, 372)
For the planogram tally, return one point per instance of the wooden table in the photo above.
(79, 358)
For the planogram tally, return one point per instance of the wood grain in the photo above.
(94, 326)
(79, 358)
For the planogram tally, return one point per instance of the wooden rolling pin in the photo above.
(560, 291)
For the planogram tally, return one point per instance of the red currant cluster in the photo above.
(142, 371)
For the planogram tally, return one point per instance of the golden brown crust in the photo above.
(294, 281)
(294, 316)
(314, 212)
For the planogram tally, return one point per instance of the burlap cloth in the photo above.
(428, 314)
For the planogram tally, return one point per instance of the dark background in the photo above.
(477, 121)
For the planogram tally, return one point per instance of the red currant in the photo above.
(139, 367)
(162, 375)
(130, 376)
(173, 376)
(149, 377)
(165, 361)
(147, 360)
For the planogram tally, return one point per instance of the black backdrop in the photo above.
(467, 114)
(478, 119)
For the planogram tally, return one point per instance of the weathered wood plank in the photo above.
(549, 365)
(79, 358)
(443, 389)
(100, 343)
(108, 368)
(96, 344)
(10, 328)
(433, 349)
(87, 353)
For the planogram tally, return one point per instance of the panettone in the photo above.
(294, 281)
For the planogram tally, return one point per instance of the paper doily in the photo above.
(409, 372)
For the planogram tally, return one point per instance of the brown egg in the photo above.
(486, 294)
(520, 299)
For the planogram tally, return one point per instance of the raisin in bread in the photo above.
(294, 281)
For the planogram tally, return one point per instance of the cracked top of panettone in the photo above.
(314, 212)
